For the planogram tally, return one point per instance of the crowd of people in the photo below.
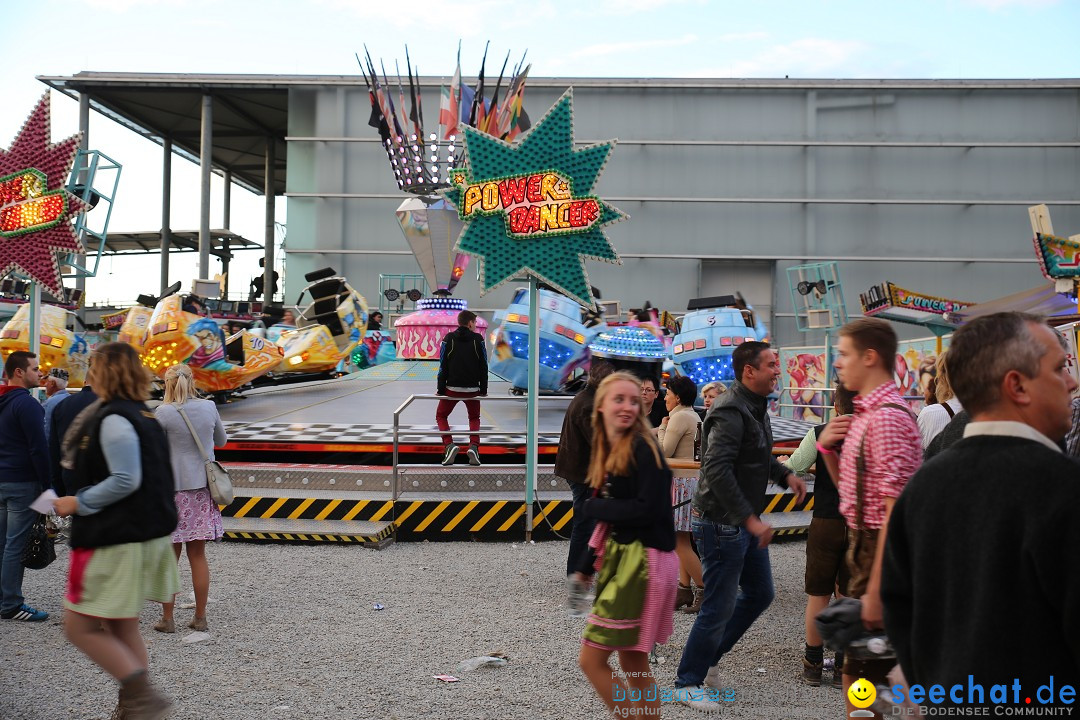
(943, 535)
(135, 489)
(937, 562)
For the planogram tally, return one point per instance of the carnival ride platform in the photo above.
(315, 462)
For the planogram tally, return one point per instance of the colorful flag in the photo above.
(512, 108)
(450, 105)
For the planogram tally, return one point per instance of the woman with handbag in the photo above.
(632, 549)
(124, 514)
(193, 428)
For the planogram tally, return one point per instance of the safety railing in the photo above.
(825, 407)
(556, 400)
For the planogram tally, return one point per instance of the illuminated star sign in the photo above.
(35, 209)
(528, 208)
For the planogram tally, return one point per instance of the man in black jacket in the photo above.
(986, 598)
(736, 466)
(65, 413)
(24, 474)
(463, 375)
(572, 460)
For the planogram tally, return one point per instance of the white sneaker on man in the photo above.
(712, 678)
(698, 698)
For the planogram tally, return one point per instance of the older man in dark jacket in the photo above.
(736, 466)
(572, 460)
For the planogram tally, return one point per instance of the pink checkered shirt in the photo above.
(893, 453)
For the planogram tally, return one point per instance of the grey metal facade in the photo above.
(728, 183)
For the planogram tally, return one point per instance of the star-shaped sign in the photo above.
(35, 209)
(528, 207)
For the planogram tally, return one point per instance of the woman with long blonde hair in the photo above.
(632, 548)
(200, 519)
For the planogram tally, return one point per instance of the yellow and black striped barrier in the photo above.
(415, 520)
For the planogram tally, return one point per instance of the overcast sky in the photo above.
(943, 39)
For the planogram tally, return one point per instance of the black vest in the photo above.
(147, 513)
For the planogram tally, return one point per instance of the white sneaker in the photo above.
(698, 697)
(712, 678)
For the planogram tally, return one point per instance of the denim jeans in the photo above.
(738, 588)
(582, 529)
(16, 519)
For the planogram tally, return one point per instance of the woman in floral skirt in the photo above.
(200, 518)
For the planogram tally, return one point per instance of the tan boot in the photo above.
(139, 700)
(683, 596)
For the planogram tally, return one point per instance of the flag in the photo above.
(450, 105)
(512, 108)
(478, 96)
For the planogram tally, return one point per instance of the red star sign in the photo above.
(35, 209)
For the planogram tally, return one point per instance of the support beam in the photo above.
(226, 218)
(268, 249)
(166, 212)
(84, 145)
(206, 145)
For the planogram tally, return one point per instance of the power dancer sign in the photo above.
(536, 203)
(528, 207)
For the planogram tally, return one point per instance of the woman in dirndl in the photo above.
(124, 514)
(631, 551)
(678, 435)
(199, 515)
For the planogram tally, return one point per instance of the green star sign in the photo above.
(528, 207)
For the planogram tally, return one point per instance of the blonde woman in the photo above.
(199, 516)
(711, 391)
(120, 534)
(933, 418)
(632, 548)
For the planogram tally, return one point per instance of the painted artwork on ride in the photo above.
(803, 386)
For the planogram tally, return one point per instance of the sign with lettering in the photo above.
(528, 207)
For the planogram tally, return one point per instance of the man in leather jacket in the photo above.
(736, 466)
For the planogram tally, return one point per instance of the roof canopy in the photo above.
(247, 111)
(134, 243)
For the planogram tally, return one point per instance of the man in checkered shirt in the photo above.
(883, 438)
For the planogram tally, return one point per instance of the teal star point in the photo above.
(556, 259)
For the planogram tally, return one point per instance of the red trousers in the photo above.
(447, 405)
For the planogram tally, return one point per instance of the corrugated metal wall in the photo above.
(942, 159)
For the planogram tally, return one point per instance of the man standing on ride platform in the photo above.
(736, 466)
(882, 449)
(463, 375)
(981, 579)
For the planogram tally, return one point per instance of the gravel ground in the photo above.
(293, 634)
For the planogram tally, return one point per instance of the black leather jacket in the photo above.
(736, 458)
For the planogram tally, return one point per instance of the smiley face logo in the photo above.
(862, 693)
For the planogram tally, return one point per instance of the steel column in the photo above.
(206, 146)
(166, 211)
(530, 412)
(268, 240)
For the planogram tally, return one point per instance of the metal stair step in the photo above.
(370, 534)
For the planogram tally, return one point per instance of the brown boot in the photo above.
(139, 700)
(692, 609)
(811, 673)
(683, 596)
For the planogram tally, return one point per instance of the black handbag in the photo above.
(40, 550)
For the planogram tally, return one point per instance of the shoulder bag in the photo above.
(217, 477)
(40, 550)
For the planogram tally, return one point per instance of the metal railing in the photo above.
(550, 399)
